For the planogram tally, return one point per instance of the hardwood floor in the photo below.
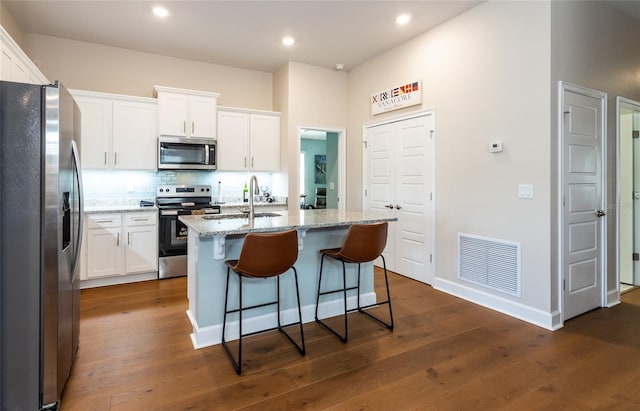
(444, 354)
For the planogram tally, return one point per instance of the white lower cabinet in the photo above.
(118, 244)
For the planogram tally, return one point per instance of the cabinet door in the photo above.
(95, 132)
(134, 135)
(202, 112)
(265, 143)
(233, 132)
(172, 114)
(12, 69)
(142, 249)
(104, 253)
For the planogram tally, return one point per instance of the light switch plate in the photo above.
(525, 190)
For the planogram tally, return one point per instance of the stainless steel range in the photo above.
(173, 201)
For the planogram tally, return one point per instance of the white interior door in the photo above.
(582, 202)
(380, 181)
(400, 181)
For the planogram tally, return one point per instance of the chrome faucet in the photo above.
(254, 190)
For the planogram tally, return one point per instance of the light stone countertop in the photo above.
(117, 209)
(99, 206)
(300, 219)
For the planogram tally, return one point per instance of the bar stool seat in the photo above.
(263, 255)
(363, 243)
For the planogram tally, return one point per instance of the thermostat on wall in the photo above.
(495, 147)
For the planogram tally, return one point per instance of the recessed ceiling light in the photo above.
(288, 41)
(403, 19)
(160, 11)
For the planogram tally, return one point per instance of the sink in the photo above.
(242, 215)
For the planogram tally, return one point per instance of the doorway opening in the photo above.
(628, 187)
(321, 165)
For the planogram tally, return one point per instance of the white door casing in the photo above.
(583, 214)
(400, 180)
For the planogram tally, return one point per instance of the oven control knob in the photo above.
(162, 190)
(207, 190)
(202, 189)
(167, 189)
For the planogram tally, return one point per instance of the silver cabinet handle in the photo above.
(141, 219)
(245, 162)
(398, 207)
(251, 162)
(128, 238)
(104, 221)
(117, 239)
(115, 158)
(193, 127)
(184, 126)
(105, 158)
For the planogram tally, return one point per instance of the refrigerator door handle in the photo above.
(78, 170)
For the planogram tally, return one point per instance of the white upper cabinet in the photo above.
(186, 113)
(117, 132)
(134, 134)
(14, 63)
(248, 140)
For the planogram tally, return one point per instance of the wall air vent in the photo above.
(489, 262)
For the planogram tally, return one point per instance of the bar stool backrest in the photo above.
(268, 254)
(364, 242)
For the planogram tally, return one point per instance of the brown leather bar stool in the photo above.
(263, 255)
(363, 243)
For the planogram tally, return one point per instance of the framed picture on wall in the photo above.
(320, 169)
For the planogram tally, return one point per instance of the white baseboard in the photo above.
(120, 279)
(212, 335)
(549, 321)
(613, 298)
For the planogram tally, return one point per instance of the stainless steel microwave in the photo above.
(175, 153)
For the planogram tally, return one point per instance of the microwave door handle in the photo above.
(206, 154)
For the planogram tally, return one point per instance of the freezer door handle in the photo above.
(78, 170)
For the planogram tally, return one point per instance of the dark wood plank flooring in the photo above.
(445, 354)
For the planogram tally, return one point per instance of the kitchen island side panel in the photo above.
(207, 278)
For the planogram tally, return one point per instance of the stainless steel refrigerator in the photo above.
(40, 238)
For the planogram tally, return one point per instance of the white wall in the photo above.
(486, 73)
(89, 66)
(596, 46)
(9, 23)
(315, 97)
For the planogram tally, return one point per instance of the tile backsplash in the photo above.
(118, 186)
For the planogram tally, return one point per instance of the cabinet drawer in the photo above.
(133, 219)
(104, 220)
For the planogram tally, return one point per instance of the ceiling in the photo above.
(244, 34)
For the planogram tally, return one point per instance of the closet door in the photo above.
(399, 181)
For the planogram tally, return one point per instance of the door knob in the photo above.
(389, 206)
(398, 207)
(600, 213)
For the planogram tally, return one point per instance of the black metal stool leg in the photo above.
(301, 347)
(344, 291)
(319, 286)
(389, 325)
(237, 365)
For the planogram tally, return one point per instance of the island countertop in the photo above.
(300, 219)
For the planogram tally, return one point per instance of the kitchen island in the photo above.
(214, 239)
